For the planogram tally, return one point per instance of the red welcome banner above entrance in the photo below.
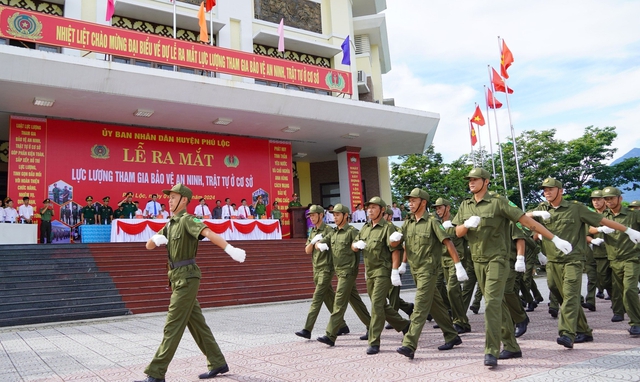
(69, 33)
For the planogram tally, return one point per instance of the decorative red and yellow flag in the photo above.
(492, 102)
(498, 83)
(474, 137)
(477, 117)
(212, 3)
(202, 21)
(505, 60)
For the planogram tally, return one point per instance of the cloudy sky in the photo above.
(577, 63)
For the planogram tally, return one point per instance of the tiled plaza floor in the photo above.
(259, 345)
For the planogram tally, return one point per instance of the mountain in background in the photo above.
(629, 195)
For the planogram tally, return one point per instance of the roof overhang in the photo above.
(375, 26)
(368, 7)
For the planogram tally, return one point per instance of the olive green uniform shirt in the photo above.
(459, 242)
(106, 214)
(46, 215)
(619, 245)
(423, 242)
(567, 222)
(276, 214)
(490, 238)
(377, 253)
(183, 233)
(260, 210)
(89, 214)
(322, 261)
(599, 251)
(128, 210)
(295, 204)
(345, 261)
(517, 233)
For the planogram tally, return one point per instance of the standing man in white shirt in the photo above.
(359, 215)
(202, 210)
(397, 214)
(163, 212)
(25, 211)
(243, 210)
(227, 210)
(1, 211)
(10, 213)
(152, 209)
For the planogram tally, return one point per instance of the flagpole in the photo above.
(513, 135)
(471, 141)
(175, 67)
(495, 117)
(211, 25)
(486, 102)
(479, 142)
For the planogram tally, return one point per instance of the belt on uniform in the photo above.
(181, 263)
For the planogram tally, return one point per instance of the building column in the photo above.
(349, 176)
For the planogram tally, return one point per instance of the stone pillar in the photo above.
(349, 176)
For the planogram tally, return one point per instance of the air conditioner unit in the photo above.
(362, 82)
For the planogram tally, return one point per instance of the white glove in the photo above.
(542, 214)
(316, 238)
(403, 268)
(562, 245)
(461, 273)
(540, 236)
(606, 230)
(322, 247)
(472, 222)
(633, 235)
(395, 278)
(236, 253)
(520, 265)
(159, 239)
(597, 241)
(447, 224)
(360, 244)
(396, 236)
(542, 258)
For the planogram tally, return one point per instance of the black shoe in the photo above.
(490, 360)
(436, 326)
(539, 300)
(388, 326)
(521, 327)
(405, 351)
(429, 317)
(600, 295)
(449, 345)
(531, 306)
(634, 330)
(590, 306)
(342, 331)
(151, 379)
(506, 354)
(474, 309)
(304, 333)
(553, 312)
(214, 372)
(406, 328)
(565, 341)
(373, 350)
(581, 337)
(326, 340)
(461, 329)
(617, 318)
(409, 311)
(365, 337)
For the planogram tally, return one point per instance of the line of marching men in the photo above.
(491, 242)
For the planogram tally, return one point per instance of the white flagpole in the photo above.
(513, 135)
(479, 141)
(174, 18)
(470, 141)
(495, 117)
(486, 102)
(211, 25)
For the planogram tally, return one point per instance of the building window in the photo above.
(330, 194)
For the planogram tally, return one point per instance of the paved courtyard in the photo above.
(259, 345)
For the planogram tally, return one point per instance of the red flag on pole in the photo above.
(212, 3)
(202, 21)
(498, 82)
(474, 137)
(505, 60)
(477, 117)
(492, 102)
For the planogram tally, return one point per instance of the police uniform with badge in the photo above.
(105, 211)
(181, 235)
(46, 214)
(88, 212)
(379, 255)
(346, 265)
(322, 275)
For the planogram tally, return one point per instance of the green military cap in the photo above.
(376, 200)
(89, 199)
(46, 200)
(635, 203)
(551, 182)
(596, 194)
(418, 193)
(340, 208)
(180, 189)
(441, 202)
(611, 191)
(131, 194)
(388, 211)
(478, 172)
(106, 199)
(316, 209)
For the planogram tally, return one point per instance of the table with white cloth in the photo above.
(18, 233)
(140, 230)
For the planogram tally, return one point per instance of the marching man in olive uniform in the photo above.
(484, 220)
(346, 264)
(322, 273)
(381, 261)
(424, 237)
(181, 235)
(88, 212)
(564, 271)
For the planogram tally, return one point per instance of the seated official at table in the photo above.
(10, 213)
(202, 210)
(25, 211)
(152, 209)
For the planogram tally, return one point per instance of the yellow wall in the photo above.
(376, 75)
(304, 182)
(384, 177)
